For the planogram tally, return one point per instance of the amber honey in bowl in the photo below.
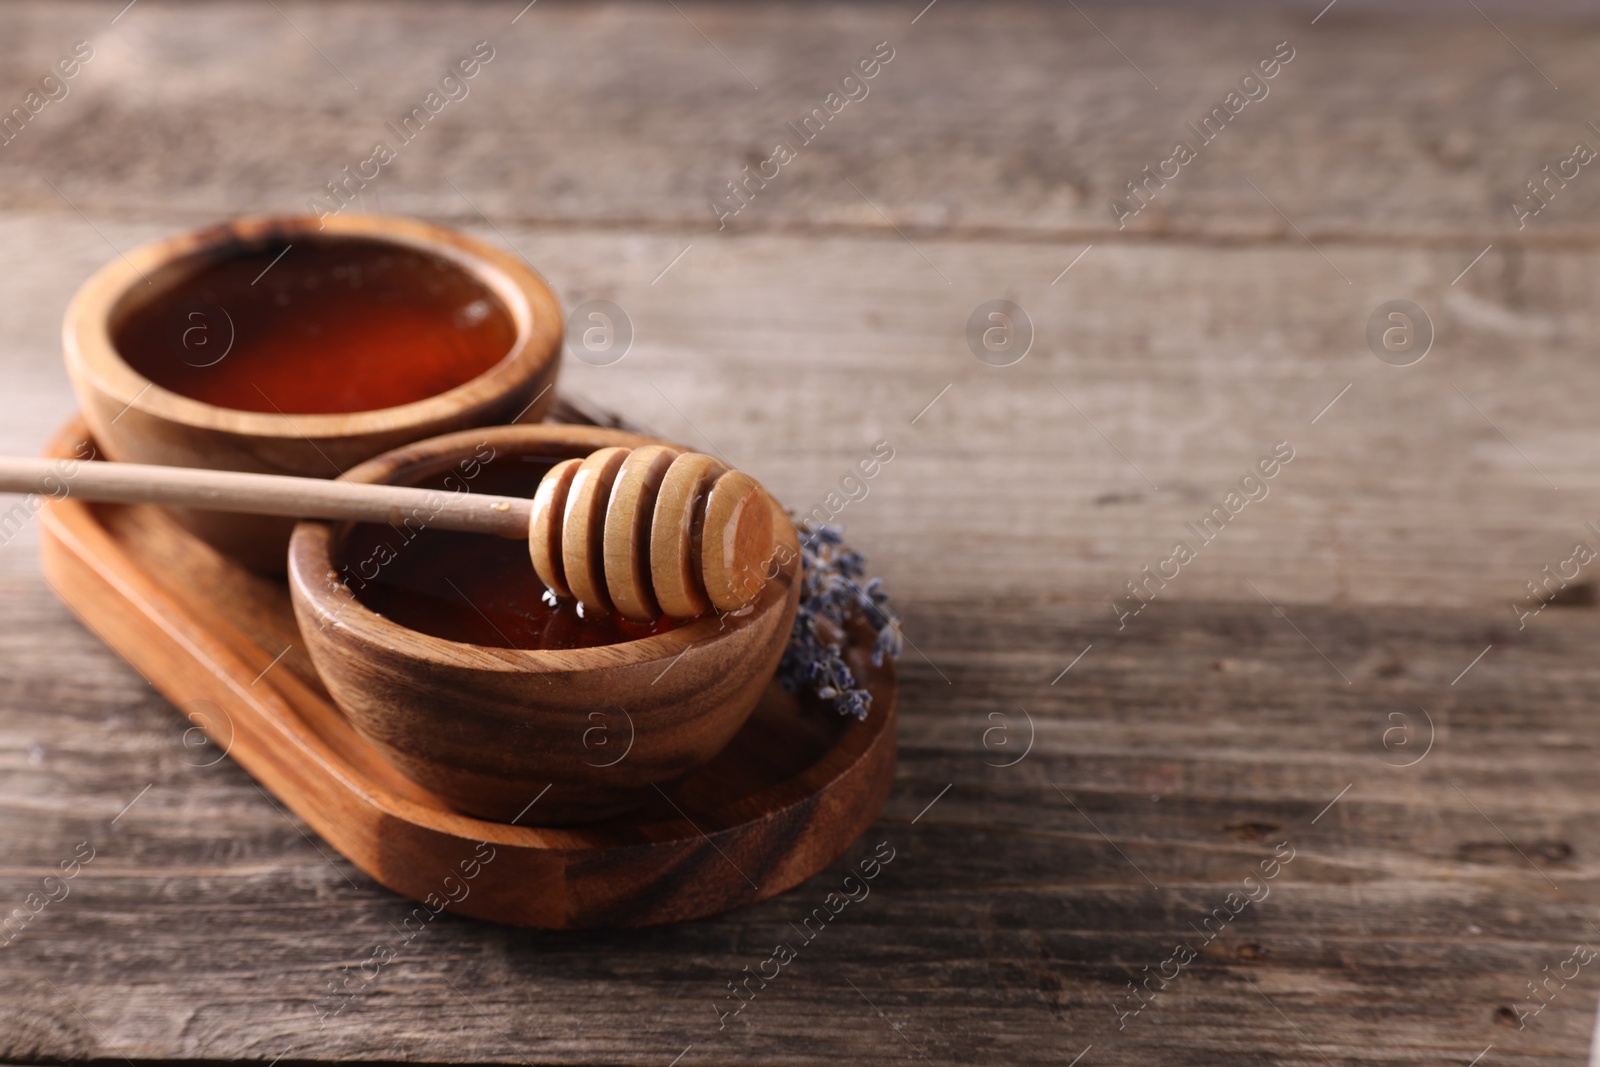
(316, 325)
(472, 588)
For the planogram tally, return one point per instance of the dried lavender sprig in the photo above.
(831, 599)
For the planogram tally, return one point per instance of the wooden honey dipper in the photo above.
(646, 532)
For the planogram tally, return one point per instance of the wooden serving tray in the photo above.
(788, 795)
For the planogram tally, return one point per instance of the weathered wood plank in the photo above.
(1417, 906)
(1400, 900)
(793, 357)
(990, 119)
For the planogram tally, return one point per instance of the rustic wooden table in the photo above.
(1344, 685)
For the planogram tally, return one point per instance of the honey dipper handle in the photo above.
(265, 494)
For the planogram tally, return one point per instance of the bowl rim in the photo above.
(311, 559)
(534, 309)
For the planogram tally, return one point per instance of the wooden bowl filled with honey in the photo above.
(299, 347)
(495, 689)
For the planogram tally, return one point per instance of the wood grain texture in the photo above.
(1179, 350)
(488, 728)
(788, 794)
(259, 494)
(135, 420)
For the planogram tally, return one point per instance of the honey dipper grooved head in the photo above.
(652, 531)
(736, 541)
(674, 529)
(583, 526)
(544, 528)
(627, 531)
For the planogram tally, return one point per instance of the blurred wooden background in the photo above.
(828, 315)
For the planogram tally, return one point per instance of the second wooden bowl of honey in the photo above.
(450, 655)
(302, 346)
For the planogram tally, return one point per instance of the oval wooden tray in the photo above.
(791, 792)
